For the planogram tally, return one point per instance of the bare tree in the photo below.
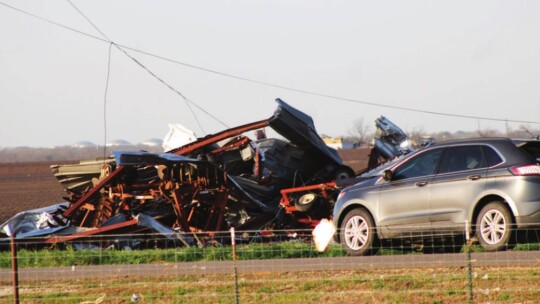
(416, 136)
(442, 136)
(525, 132)
(487, 133)
(359, 131)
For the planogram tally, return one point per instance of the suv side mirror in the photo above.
(387, 175)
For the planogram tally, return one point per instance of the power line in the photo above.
(186, 100)
(313, 93)
(107, 40)
(105, 105)
(89, 21)
(269, 84)
(53, 22)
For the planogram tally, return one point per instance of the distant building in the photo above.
(118, 143)
(152, 142)
(338, 143)
(83, 144)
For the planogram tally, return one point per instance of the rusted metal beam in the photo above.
(217, 211)
(95, 231)
(239, 143)
(211, 139)
(180, 213)
(93, 191)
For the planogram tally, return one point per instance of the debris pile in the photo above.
(208, 185)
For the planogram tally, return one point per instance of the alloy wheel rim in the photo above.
(493, 227)
(356, 232)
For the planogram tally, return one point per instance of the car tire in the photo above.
(494, 227)
(357, 234)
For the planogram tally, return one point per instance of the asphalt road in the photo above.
(416, 261)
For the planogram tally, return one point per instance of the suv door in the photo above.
(404, 200)
(460, 181)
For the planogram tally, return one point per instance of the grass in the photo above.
(71, 257)
(448, 285)
(505, 285)
(283, 250)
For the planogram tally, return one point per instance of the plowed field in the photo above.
(26, 186)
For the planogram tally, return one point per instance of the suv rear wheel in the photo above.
(357, 233)
(494, 227)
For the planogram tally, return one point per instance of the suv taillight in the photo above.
(526, 170)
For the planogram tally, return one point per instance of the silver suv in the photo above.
(489, 187)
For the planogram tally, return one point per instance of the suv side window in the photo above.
(492, 157)
(462, 158)
(421, 165)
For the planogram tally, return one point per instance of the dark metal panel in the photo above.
(299, 128)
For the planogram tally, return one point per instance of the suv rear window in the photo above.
(462, 158)
(532, 148)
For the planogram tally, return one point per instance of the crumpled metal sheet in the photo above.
(34, 222)
(299, 128)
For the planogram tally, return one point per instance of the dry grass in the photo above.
(490, 285)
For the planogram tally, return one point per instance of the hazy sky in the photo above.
(476, 58)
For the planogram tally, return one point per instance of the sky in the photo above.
(344, 60)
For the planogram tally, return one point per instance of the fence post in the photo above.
(14, 266)
(233, 245)
(469, 264)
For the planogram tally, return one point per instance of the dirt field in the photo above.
(26, 186)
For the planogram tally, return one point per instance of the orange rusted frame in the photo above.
(218, 211)
(180, 213)
(219, 136)
(285, 202)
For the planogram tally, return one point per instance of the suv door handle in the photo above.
(420, 184)
(474, 177)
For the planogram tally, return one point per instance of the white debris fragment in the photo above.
(178, 136)
(322, 234)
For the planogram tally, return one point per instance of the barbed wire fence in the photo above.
(259, 266)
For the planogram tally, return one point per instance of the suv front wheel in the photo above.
(494, 227)
(357, 234)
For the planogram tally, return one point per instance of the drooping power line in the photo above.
(105, 104)
(186, 100)
(308, 92)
